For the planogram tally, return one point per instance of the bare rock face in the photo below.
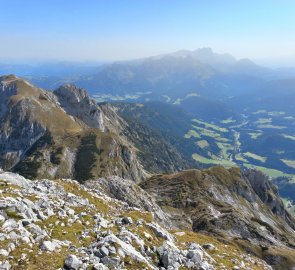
(268, 193)
(17, 132)
(6, 90)
(130, 193)
(76, 102)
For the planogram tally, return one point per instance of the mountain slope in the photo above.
(39, 137)
(66, 134)
(164, 126)
(275, 95)
(240, 207)
(65, 225)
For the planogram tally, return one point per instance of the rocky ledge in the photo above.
(65, 225)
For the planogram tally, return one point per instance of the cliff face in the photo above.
(242, 207)
(60, 134)
(76, 102)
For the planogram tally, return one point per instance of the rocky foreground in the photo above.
(65, 225)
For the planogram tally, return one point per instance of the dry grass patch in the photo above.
(36, 260)
(74, 188)
(136, 215)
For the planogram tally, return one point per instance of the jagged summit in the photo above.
(70, 91)
(203, 55)
(208, 56)
(76, 102)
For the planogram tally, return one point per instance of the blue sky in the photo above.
(102, 30)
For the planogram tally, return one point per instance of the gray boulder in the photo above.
(49, 246)
(5, 265)
(99, 266)
(170, 255)
(72, 263)
(160, 232)
(195, 253)
(103, 252)
(112, 262)
(127, 220)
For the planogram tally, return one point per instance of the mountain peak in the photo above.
(205, 56)
(246, 62)
(71, 92)
(204, 50)
(208, 56)
(11, 85)
(8, 77)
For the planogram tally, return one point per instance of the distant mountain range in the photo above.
(173, 74)
(176, 73)
(190, 79)
(193, 108)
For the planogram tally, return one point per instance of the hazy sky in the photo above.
(99, 30)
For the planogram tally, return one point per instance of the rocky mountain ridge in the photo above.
(40, 129)
(64, 225)
(242, 206)
(66, 134)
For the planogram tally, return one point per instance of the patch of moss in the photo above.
(4, 243)
(131, 264)
(7, 186)
(7, 193)
(36, 260)
(136, 215)
(141, 230)
(71, 233)
(12, 214)
(32, 197)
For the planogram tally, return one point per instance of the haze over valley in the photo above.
(147, 135)
(234, 112)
